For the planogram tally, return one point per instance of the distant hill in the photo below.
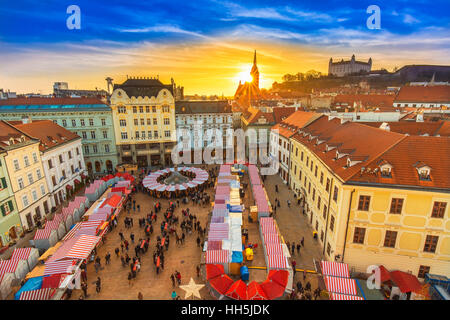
(419, 73)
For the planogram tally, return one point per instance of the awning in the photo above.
(217, 256)
(42, 234)
(21, 253)
(406, 282)
(277, 262)
(338, 296)
(340, 285)
(237, 291)
(58, 267)
(8, 266)
(41, 294)
(274, 249)
(336, 269)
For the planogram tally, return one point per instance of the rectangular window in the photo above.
(103, 122)
(78, 151)
(92, 134)
(167, 134)
(54, 180)
(134, 109)
(86, 149)
(105, 134)
(25, 201)
(318, 202)
(26, 161)
(61, 158)
(302, 156)
(38, 173)
(438, 209)
(91, 122)
(137, 134)
(74, 123)
(64, 122)
(431, 244)
(64, 174)
(156, 134)
(106, 148)
(147, 109)
(315, 172)
(30, 178)
(94, 148)
(124, 135)
(82, 122)
(149, 134)
(390, 239)
(165, 108)
(153, 109)
(423, 270)
(142, 122)
(149, 121)
(34, 195)
(72, 169)
(35, 158)
(396, 206)
(364, 202)
(84, 135)
(123, 123)
(324, 213)
(358, 236)
(141, 109)
(16, 164)
(20, 183)
(328, 249)
(155, 121)
(166, 121)
(335, 194)
(332, 223)
(42, 190)
(321, 178)
(143, 134)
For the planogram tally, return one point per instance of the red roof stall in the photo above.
(237, 291)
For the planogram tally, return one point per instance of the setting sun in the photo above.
(244, 76)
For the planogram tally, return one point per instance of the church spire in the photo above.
(254, 59)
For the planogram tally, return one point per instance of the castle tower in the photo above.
(254, 72)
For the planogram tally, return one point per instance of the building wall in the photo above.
(446, 105)
(9, 216)
(38, 185)
(77, 161)
(147, 109)
(413, 224)
(101, 121)
(283, 154)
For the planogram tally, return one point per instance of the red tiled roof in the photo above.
(50, 101)
(416, 128)
(405, 158)
(8, 131)
(359, 141)
(295, 121)
(372, 100)
(49, 133)
(281, 113)
(434, 94)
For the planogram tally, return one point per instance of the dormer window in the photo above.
(424, 171)
(386, 170)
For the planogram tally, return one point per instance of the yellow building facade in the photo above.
(24, 166)
(366, 219)
(144, 121)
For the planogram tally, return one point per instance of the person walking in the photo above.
(298, 248)
(121, 236)
(178, 276)
(107, 258)
(293, 248)
(84, 287)
(304, 275)
(117, 251)
(132, 237)
(98, 285)
(303, 241)
(140, 296)
(294, 264)
(198, 271)
(172, 278)
(126, 245)
(130, 278)
(198, 241)
(316, 293)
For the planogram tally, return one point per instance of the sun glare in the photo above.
(244, 76)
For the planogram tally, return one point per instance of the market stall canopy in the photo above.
(406, 282)
(221, 283)
(255, 292)
(214, 270)
(41, 294)
(335, 269)
(237, 291)
(340, 285)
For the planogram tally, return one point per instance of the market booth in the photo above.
(6, 283)
(19, 268)
(30, 255)
(44, 238)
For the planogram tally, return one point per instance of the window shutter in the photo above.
(11, 206)
(3, 210)
(3, 183)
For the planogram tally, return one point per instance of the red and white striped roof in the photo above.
(336, 269)
(217, 256)
(274, 249)
(58, 267)
(54, 224)
(42, 234)
(218, 231)
(98, 217)
(78, 247)
(8, 266)
(271, 238)
(21, 253)
(268, 228)
(339, 296)
(277, 262)
(340, 285)
(40, 294)
(72, 232)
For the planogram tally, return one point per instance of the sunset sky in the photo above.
(205, 45)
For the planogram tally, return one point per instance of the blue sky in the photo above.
(178, 38)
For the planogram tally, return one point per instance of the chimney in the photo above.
(26, 119)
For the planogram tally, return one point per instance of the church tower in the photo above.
(254, 72)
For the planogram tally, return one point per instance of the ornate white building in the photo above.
(343, 68)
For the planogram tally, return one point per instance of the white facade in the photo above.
(204, 129)
(60, 174)
(366, 116)
(343, 68)
(280, 144)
